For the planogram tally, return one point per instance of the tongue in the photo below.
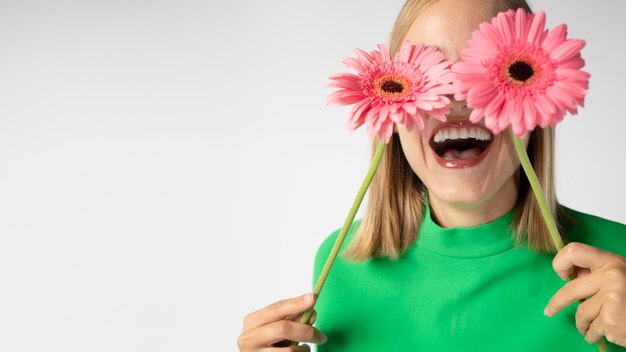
(451, 154)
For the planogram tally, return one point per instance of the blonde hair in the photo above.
(396, 196)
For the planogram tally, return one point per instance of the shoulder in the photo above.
(328, 243)
(596, 231)
(324, 249)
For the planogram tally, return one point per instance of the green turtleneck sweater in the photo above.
(455, 289)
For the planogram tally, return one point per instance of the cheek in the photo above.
(413, 149)
(508, 162)
(415, 145)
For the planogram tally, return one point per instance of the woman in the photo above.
(452, 253)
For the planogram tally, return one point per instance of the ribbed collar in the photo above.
(466, 242)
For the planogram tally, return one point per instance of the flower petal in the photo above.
(345, 97)
(476, 115)
(428, 77)
(537, 26)
(567, 50)
(554, 38)
(357, 115)
(520, 23)
(572, 74)
(410, 108)
(561, 86)
(503, 24)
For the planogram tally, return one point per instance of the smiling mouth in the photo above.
(460, 144)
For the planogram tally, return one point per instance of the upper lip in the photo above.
(457, 123)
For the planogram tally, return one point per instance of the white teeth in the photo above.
(483, 136)
(461, 133)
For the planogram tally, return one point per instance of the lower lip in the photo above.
(462, 163)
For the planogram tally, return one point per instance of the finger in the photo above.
(286, 330)
(586, 312)
(573, 291)
(581, 272)
(279, 310)
(595, 331)
(579, 254)
(300, 348)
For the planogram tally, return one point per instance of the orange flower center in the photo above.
(392, 85)
(520, 72)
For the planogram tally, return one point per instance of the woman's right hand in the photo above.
(274, 327)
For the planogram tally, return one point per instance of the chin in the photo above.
(462, 163)
(464, 193)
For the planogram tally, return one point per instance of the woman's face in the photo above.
(462, 164)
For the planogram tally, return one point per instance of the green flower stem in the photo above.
(534, 183)
(545, 210)
(536, 186)
(346, 225)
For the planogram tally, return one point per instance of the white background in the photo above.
(168, 166)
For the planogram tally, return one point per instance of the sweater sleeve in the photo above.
(322, 254)
(323, 251)
(595, 231)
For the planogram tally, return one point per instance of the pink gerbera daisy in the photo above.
(403, 90)
(515, 72)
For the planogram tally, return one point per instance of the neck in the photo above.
(468, 214)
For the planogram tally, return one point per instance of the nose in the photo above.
(458, 108)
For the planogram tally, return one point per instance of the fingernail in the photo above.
(547, 312)
(324, 338)
(308, 298)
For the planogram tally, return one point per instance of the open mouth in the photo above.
(460, 144)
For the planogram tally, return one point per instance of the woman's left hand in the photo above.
(600, 274)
